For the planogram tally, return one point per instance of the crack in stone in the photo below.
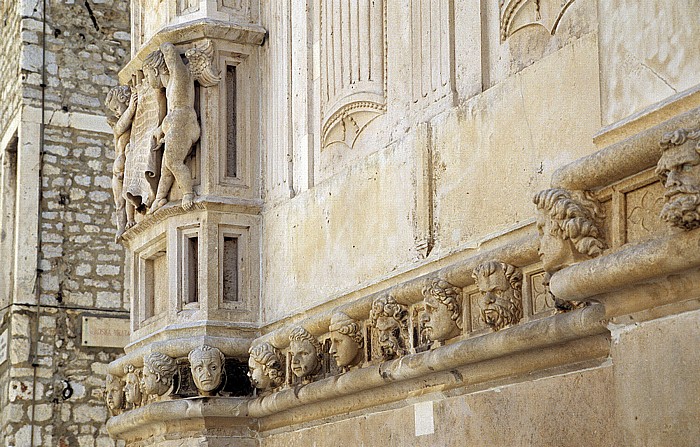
(658, 76)
(92, 15)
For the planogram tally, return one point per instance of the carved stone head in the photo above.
(153, 68)
(118, 99)
(501, 287)
(346, 340)
(265, 367)
(207, 367)
(679, 169)
(114, 394)
(132, 386)
(443, 310)
(305, 351)
(568, 224)
(389, 318)
(158, 372)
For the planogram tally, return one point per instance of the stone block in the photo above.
(657, 385)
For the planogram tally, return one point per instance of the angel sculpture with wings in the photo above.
(180, 129)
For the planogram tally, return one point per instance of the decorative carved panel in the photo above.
(477, 323)
(518, 14)
(542, 300)
(353, 79)
(431, 48)
(643, 209)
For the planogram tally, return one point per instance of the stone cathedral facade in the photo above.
(400, 223)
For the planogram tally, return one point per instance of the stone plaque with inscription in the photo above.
(105, 332)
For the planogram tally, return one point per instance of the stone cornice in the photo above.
(622, 159)
(245, 34)
(203, 203)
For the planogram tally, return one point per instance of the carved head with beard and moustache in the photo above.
(679, 170)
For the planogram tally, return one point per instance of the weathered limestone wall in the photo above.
(436, 172)
(639, 67)
(569, 409)
(479, 112)
(59, 390)
(10, 48)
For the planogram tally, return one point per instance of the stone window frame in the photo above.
(184, 235)
(243, 234)
(244, 132)
(155, 249)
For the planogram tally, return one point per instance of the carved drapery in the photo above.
(352, 67)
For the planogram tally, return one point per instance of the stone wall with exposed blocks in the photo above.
(52, 378)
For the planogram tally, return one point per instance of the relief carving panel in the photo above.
(643, 207)
(431, 49)
(353, 79)
(542, 300)
(518, 14)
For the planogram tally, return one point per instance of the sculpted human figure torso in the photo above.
(179, 130)
(122, 102)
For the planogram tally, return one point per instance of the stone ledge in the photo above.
(159, 418)
(534, 335)
(617, 161)
(201, 203)
(629, 266)
(561, 339)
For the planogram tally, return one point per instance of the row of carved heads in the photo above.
(156, 379)
(570, 230)
(388, 329)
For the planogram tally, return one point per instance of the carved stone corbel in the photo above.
(500, 285)
(389, 320)
(679, 170)
(569, 225)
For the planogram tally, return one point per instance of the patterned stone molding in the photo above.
(518, 14)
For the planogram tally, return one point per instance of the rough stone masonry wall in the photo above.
(81, 267)
(10, 47)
